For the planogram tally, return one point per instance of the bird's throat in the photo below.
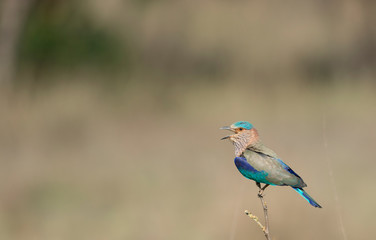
(243, 140)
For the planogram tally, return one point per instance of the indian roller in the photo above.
(259, 163)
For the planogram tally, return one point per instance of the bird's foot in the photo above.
(261, 190)
(260, 193)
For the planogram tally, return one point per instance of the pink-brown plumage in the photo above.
(243, 139)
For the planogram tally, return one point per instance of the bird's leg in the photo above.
(261, 191)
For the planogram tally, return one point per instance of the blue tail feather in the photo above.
(307, 197)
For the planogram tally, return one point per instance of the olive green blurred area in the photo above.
(110, 114)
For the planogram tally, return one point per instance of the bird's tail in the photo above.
(307, 197)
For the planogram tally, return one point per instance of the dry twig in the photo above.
(265, 229)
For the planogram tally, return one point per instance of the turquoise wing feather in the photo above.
(250, 172)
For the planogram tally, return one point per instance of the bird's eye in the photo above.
(240, 129)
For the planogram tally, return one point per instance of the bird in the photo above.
(259, 163)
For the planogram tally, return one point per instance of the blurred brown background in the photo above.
(110, 114)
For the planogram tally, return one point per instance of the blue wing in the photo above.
(284, 165)
(275, 172)
(267, 169)
(250, 172)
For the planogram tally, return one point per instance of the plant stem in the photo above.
(265, 229)
(265, 207)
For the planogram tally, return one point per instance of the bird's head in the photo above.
(244, 135)
(238, 128)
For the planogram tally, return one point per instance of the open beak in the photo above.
(226, 128)
(225, 137)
